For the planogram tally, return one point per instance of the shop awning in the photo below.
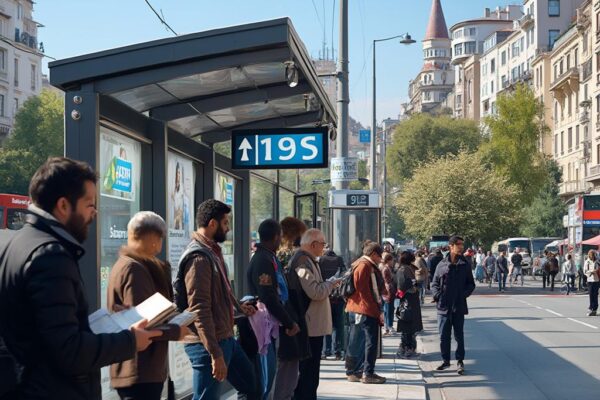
(253, 76)
(595, 241)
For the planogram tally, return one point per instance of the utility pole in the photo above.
(342, 90)
(373, 172)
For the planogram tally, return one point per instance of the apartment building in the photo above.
(20, 59)
(467, 45)
(570, 70)
(593, 177)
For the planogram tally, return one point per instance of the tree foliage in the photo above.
(514, 138)
(543, 217)
(423, 138)
(458, 195)
(38, 134)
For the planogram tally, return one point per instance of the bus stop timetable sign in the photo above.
(279, 148)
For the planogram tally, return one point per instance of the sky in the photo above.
(75, 27)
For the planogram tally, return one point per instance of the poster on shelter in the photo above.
(180, 206)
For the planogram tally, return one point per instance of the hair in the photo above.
(268, 230)
(386, 257)
(407, 258)
(145, 222)
(454, 239)
(420, 253)
(310, 236)
(211, 209)
(292, 229)
(372, 247)
(592, 255)
(568, 256)
(60, 177)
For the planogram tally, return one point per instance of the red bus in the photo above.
(13, 208)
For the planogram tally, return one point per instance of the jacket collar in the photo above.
(260, 246)
(46, 222)
(460, 260)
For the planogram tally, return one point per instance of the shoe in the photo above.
(401, 353)
(591, 313)
(443, 366)
(331, 358)
(409, 353)
(353, 378)
(372, 379)
(338, 357)
(461, 368)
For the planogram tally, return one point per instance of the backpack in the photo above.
(347, 288)
(179, 291)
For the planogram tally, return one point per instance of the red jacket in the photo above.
(364, 300)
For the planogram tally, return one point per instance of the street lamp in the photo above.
(406, 40)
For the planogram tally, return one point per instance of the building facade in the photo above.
(20, 59)
(429, 89)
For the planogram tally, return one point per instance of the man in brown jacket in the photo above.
(214, 353)
(364, 307)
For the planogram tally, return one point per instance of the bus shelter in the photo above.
(149, 117)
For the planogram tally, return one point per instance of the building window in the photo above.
(16, 107)
(3, 60)
(576, 58)
(458, 49)
(598, 154)
(555, 110)
(472, 31)
(19, 11)
(562, 143)
(554, 8)
(577, 137)
(568, 62)
(16, 72)
(552, 35)
(492, 87)
(515, 49)
(2, 105)
(556, 144)
(33, 77)
(570, 139)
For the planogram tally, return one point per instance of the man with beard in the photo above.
(43, 309)
(213, 352)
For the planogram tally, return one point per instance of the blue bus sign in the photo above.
(364, 135)
(279, 148)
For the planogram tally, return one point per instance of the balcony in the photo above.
(584, 117)
(565, 84)
(570, 188)
(594, 175)
(583, 21)
(526, 21)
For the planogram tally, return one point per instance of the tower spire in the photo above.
(436, 28)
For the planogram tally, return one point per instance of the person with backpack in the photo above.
(204, 285)
(48, 350)
(267, 282)
(365, 308)
(332, 266)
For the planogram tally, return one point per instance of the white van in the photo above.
(509, 245)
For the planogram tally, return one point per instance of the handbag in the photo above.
(403, 313)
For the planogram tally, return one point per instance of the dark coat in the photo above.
(44, 316)
(451, 285)
(502, 264)
(433, 262)
(262, 282)
(404, 281)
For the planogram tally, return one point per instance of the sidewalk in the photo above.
(404, 378)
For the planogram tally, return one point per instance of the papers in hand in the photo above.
(156, 309)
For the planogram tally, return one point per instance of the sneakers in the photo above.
(460, 368)
(353, 378)
(591, 313)
(443, 366)
(372, 379)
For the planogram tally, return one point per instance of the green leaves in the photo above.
(38, 134)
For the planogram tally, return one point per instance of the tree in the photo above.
(423, 138)
(543, 217)
(514, 138)
(458, 195)
(38, 134)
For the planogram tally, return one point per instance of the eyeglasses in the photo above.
(321, 243)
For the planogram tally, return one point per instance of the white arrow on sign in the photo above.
(245, 146)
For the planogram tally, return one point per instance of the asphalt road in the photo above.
(523, 344)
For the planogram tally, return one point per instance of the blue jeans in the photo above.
(355, 354)
(501, 276)
(337, 319)
(240, 372)
(388, 314)
(422, 285)
(446, 324)
(268, 363)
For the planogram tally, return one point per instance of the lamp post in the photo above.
(406, 39)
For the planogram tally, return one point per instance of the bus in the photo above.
(538, 244)
(509, 245)
(13, 208)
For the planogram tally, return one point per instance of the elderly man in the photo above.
(318, 309)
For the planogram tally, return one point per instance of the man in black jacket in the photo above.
(266, 281)
(452, 284)
(43, 309)
(333, 265)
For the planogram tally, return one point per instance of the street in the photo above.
(526, 343)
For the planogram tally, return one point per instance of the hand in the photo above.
(143, 337)
(337, 282)
(219, 369)
(247, 309)
(183, 332)
(120, 307)
(293, 331)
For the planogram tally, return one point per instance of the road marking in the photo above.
(582, 323)
(554, 312)
(539, 308)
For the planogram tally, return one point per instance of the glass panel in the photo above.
(287, 178)
(263, 74)
(304, 210)
(262, 207)
(2, 218)
(207, 83)
(270, 174)
(181, 180)
(241, 114)
(289, 105)
(144, 97)
(225, 192)
(193, 124)
(15, 218)
(286, 204)
(364, 224)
